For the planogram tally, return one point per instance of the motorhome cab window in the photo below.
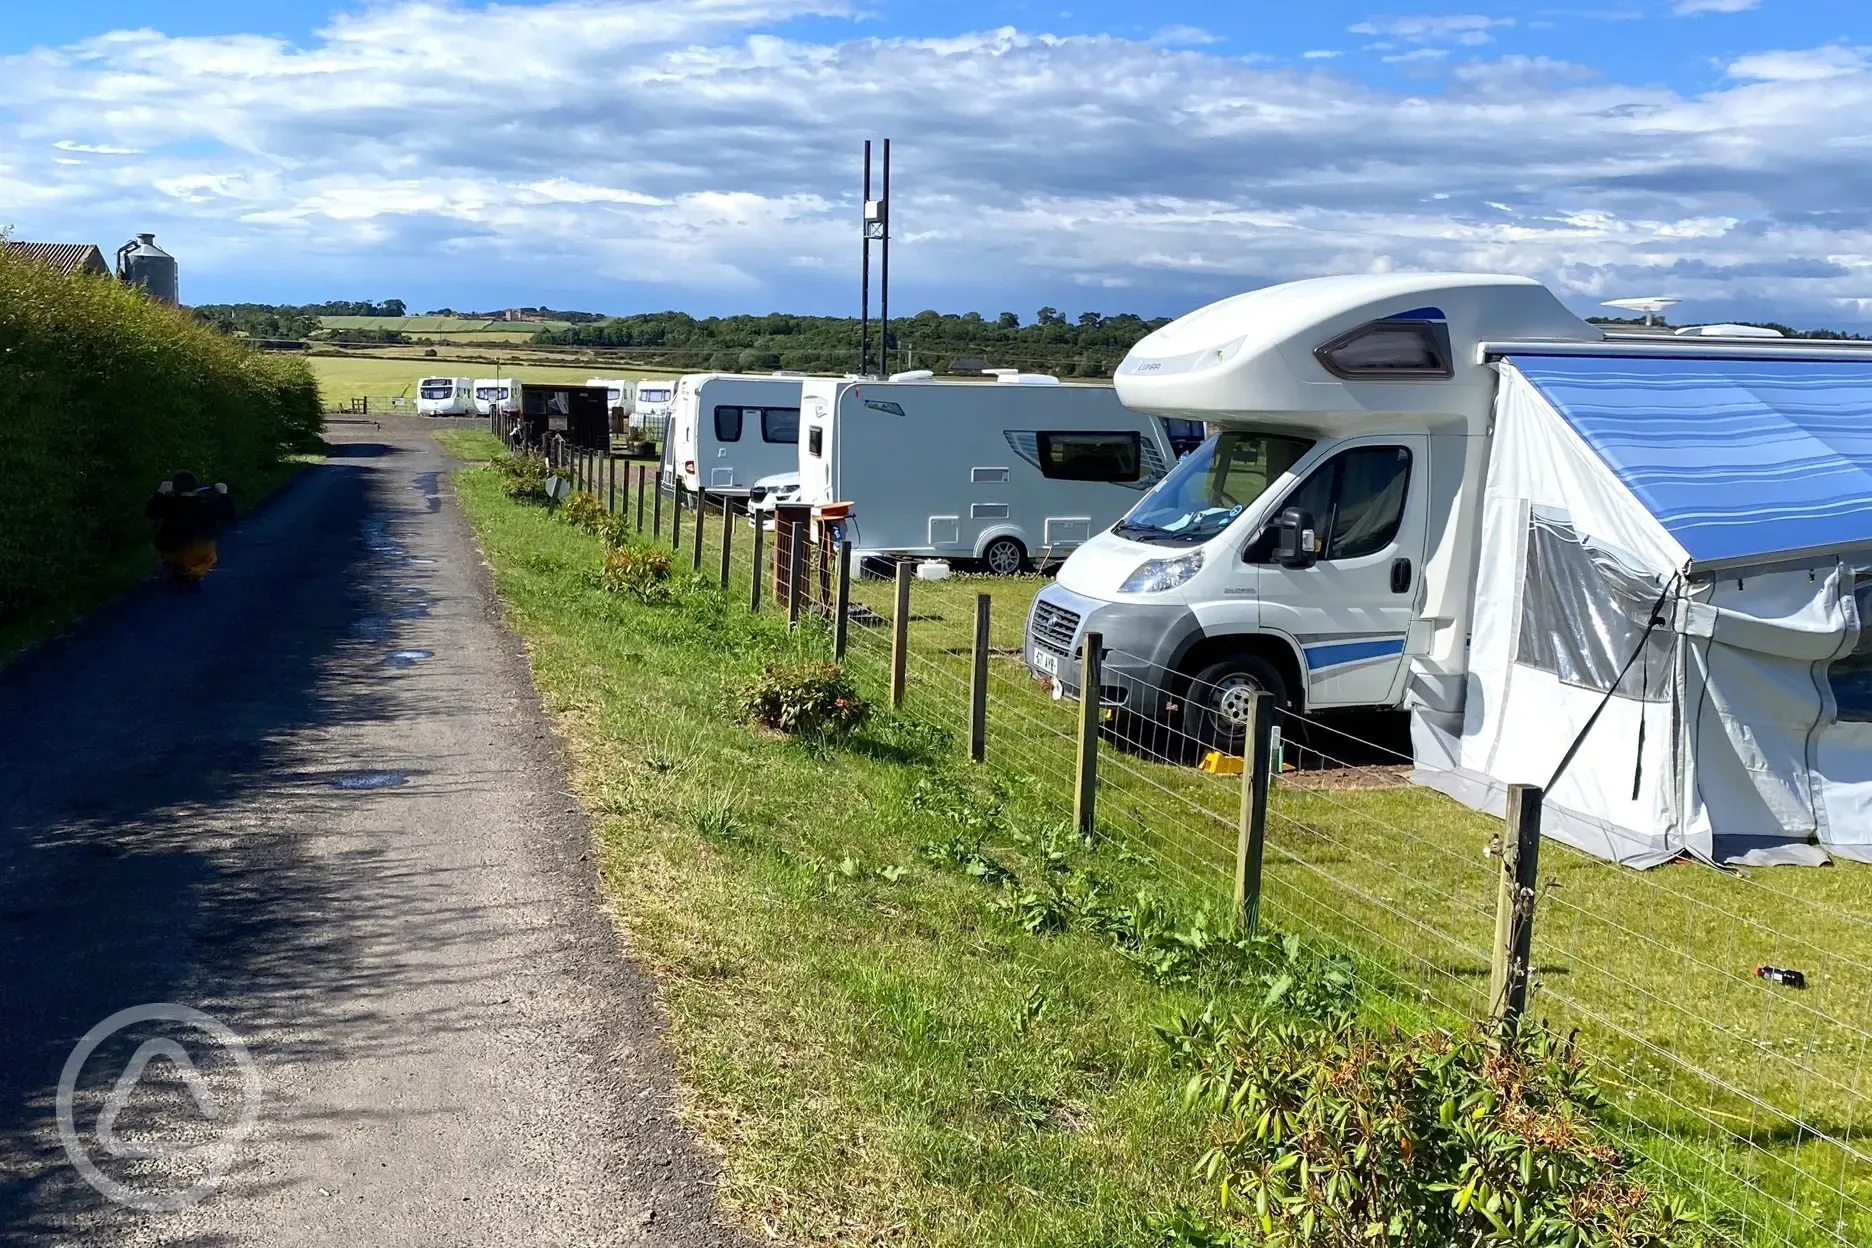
(1091, 456)
(728, 423)
(1390, 349)
(1357, 500)
(780, 424)
(1211, 486)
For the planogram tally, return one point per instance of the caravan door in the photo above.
(1349, 612)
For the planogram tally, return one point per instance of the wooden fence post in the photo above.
(1514, 906)
(640, 497)
(656, 511)
(842, 603)
(701, 516)
(796, 572)
(675, 518)
(611, 484)
(727, 538)
(1085, 790)
(900, 633)
(978, 684)
(760, 540)
(1251, 832)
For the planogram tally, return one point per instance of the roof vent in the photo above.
(915, 374)
(1027, 379)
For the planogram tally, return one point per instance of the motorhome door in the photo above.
(1350, 609)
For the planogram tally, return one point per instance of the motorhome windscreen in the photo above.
(1211, 486)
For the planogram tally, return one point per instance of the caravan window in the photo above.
(437, 390)
(728, 423)
(1091, 456)
(815, 442)
(1357, 500)
(780, 424)
(1851, 677)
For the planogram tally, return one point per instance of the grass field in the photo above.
(1750, 1095)
(342, 377)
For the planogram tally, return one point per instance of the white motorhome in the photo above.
(1448, 494)
(728, 430)
(445, 396)
(493, 394)
(656, 398)
(1008, 471)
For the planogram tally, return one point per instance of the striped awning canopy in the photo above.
(1739, 460)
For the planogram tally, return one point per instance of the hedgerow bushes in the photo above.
(104, 392)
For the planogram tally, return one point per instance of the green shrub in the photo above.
(524, 476)
(1335, 1136)
(641, 572)
(584, 511)
(807, 699)
(103, 393)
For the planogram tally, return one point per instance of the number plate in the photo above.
(1044, 662)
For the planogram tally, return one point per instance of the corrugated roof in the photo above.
(66, 257)
(1738, 459)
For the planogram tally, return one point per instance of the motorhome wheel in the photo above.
(1215, 714)
(1005, 556)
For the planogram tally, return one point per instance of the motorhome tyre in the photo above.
(1215, 711)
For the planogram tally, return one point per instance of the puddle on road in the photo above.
(430, 485)
(407, 658)
(371, 780)
(373, 627)
(415, 611)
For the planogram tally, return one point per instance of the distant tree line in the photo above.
(1090, 346)
(277, 320)
(1786, 331)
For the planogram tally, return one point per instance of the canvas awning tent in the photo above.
(1730, 498)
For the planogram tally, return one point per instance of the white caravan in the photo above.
(656, 397)
(445, 396)
(728, 430)
(620, 397)
(1007, 472)
(1448, 494)
(496, 393)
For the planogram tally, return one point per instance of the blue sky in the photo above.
(636, 154)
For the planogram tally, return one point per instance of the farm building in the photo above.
(65, 257)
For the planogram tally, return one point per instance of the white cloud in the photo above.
(1806, 65)
(1468, 29)
(683, 143)
(1416, 56)
(96, 149)
(1184, 37)
(1691, 8)
(1321, 54)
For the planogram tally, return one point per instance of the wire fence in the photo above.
(1747, 1093)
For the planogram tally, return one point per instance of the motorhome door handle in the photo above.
(1400, 576)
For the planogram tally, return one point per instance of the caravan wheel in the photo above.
(1005, 556)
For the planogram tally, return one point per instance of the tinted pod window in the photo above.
(1091, 456)
(780, 424)
(728, 424)
(1390, 350)
(815, 442)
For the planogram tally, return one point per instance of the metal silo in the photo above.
(140, 262)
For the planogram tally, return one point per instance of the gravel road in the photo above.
(317, 800)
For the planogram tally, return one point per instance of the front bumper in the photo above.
(1139, 645)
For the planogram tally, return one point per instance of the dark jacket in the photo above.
(182, 519)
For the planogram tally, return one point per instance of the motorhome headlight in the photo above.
(1158, 575)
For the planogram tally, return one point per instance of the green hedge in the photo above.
(103, 393)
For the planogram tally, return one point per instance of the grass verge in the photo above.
(883, 1040)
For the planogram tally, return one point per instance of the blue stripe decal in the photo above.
(1335, 653)
(1737, 459)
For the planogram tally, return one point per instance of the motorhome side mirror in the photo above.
(1296, 544)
